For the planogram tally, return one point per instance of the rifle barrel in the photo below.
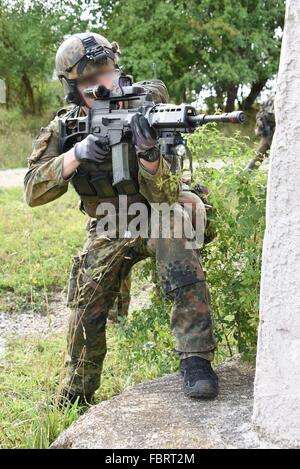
(236, 117)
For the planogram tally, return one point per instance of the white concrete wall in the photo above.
(276, 413)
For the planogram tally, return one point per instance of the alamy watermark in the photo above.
(156, 220)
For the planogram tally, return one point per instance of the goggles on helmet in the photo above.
(94, 53)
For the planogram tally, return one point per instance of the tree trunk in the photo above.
(7, 104)
(256, 88)
(29, 92)
(231, 97)
(220, 97)
(276, 414)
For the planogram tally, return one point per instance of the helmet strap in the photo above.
(73, 95)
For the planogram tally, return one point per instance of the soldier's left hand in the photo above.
(144, 137)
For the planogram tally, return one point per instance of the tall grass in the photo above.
(16, 134)
(36, 246)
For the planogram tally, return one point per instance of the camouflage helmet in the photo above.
(265, 119)
(80, 55)
(157, 89)
(268, 105)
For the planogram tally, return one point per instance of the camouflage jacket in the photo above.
(43, 181)
(265, 120)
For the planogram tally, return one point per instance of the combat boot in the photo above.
(200, 380)
(67, 398)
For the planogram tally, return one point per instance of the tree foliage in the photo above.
(28, 38)
(233, 258)
(218, 45)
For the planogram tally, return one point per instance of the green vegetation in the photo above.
(29, 36)
(18, 128)
(218, 45)
(233, 258)
(16, 134)
(36, 247)
(139, 350)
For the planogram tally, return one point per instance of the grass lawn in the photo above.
(16, 134)
(139, 349)
(36, 246)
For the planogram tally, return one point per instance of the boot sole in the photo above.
(203, 392)
(196, 395)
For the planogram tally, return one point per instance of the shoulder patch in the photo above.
(40, 144)
(64, 110)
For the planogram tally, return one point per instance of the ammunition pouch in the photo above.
(101, 185)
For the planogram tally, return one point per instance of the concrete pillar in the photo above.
(276, 415)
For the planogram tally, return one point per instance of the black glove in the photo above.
(92, 148)
(144, 138)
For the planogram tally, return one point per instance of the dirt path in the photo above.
(12, 177)
(15, 177)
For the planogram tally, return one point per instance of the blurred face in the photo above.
(106, 76)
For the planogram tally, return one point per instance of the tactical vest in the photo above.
(93, 179)
(93, 182)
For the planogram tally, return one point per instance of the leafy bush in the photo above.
(232, 260)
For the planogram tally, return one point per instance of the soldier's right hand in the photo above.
(91, 148)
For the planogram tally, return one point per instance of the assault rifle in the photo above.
(112, 124)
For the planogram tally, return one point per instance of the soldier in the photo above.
(264, 128)
(84, 60)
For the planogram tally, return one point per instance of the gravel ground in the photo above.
(22, 324)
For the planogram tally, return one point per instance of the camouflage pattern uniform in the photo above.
(120, 308)
(264, 128)
(97, 271)
(193, 196)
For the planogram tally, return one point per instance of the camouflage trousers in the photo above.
(120, 308)
(95, 283)
(261, 152)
